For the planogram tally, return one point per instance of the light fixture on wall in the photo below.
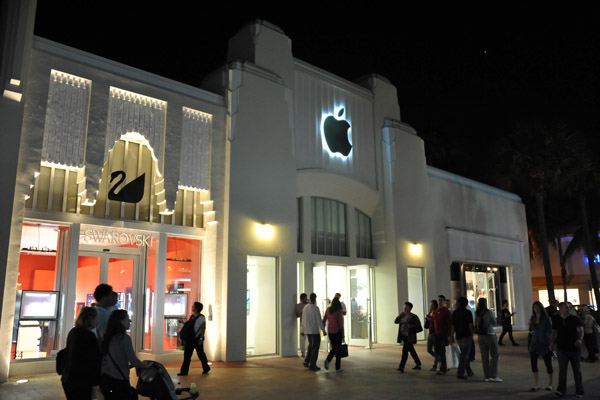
(416, 249)
(264, 230)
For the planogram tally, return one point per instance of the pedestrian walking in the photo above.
(540, 328)
(567, 335)
(192, 335)
(442, 322)
(311, 324)
(82, 362)
(462, 327)
(335, 326)
(429, 325)
(506, 321)
(590, 329)
(409, 326)
(486, 337)
(299, 307)
(118, 355)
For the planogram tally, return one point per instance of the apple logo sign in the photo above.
(335, 132)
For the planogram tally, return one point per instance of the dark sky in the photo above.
(464, 77)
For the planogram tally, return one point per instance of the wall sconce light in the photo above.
(264, 231)
(416, 249)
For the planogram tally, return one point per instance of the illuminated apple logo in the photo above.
(335, 132)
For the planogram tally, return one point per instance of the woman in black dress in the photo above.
(82, 366)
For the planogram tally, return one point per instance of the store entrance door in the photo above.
(353, 283)
(121, 270)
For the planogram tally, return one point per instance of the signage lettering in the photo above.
(118, 238)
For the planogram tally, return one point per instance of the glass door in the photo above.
(360, 305)
(121, 272)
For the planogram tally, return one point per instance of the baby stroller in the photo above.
(155, 382)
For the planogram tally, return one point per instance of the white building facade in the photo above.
(276, 178)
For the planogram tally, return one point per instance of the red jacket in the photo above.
(442, 321)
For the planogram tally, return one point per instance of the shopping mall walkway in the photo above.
(368, 374)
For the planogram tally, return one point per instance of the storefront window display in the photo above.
(182, 286)
(483, 281)
(41, 262)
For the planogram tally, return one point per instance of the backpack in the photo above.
(187, 333)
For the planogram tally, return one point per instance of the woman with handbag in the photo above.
(540, 329)
(82, 361)
(410, 325)
(118, 355)
(335, 330)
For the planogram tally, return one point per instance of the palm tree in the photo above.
(531, 162)
(581, 178)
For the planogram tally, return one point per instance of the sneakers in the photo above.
(548, 388)
(326, 363)
(434, 368)
(314, 368)
(496, 379)
(417, 366)
(339, 370)
(400, 369)
(305, 364)
(205, 372)
(559, 394)
(461, 377)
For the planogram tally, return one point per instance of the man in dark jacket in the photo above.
(462, 327)
(410, 325)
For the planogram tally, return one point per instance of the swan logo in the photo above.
(129, 193)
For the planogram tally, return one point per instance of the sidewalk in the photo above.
(368, 374)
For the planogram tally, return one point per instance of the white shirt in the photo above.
(311, 320)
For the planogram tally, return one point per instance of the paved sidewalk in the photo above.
(368, 374)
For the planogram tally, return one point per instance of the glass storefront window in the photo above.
(40, 271)
(483, 284)
(182, 286)
(149, 298)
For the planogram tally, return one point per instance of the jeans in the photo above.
(465, 356)
(188, 350)
(488, 347)
(430, 347)
(441, 341)
(564, 357)
(336, 341)
(303, 344)
(314, 342)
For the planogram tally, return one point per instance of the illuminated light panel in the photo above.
(212, 222)
(264, 231)
(324, 116)
(9, 94)
(416, 249)
(166, 212)
(15, 82)
(596, 259)
(88, 202)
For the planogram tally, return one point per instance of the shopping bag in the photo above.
(452, 356)
(343, 350)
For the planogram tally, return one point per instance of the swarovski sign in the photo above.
(118, 238)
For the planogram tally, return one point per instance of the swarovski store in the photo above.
(275, 178)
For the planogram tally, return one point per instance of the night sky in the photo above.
(464, 77)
